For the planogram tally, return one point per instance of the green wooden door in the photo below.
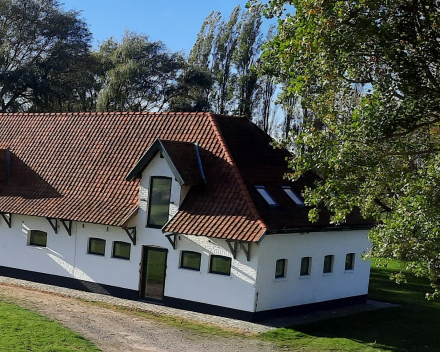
(154, 265)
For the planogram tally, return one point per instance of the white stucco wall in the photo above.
(67, 256)
(294, 289)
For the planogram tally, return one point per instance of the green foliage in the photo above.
(229, 50)
(22, 330)
(140, 75)
(44, 57)
(378, 150)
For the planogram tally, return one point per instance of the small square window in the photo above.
(292, 195)
(37, 238)
(190, 260)
(96, 246)
(280, 269)
(121, 250)
(328, 264)
(265, 194)
(349, 261)
(306, 264)
(220, 265)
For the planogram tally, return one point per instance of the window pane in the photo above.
(305, 266)
(121, 250)
(159, 205)
(265, 194)
(328, 264)
(97, 246)
(38, 238)
(220, 265)
(190, 260)
(280, 267)
(349, 261)
(293, 196)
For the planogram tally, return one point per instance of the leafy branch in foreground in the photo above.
(379, 151)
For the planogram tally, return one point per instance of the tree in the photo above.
(380, 151)
(140, 75)
(230, 50)
(43, 53)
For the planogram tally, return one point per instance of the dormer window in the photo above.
(267, 197)
(159, 202)
(292, 195)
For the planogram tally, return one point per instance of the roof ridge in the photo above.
(237, 175)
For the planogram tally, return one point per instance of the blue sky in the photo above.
(175, 22)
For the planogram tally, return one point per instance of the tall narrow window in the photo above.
(292, 195)
(159, 203)
(280, 268)
(349, 261)
(328, 264)
(306, 264)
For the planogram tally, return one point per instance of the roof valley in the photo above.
(243, 189)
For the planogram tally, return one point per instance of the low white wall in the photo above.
(294, 289)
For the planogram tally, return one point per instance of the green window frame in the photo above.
(306, 264)
(328, 264)
(121, 250)
(220, 264)
(349, 261)
(96, 246)
(190, 260)
(37, 238)
(159, 201)
(280, 268)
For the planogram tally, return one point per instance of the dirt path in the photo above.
(114, 331)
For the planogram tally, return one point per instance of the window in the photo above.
(265, 194)
(121, 250)
(280, 269)
(37, 238)
(349, 261)
(306, 264)
(220, 265)
(96, 246)
(328, 264)
(159, 204)
(292, 195)
(190, 260)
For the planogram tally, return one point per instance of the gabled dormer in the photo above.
(182, 157)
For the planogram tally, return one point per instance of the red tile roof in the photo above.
(73, 166)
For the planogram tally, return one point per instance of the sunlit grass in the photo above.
(22, 330)
(414, 326)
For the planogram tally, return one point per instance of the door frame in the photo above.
(144, 257)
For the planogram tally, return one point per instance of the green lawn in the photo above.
(414, 326)
(22, 330)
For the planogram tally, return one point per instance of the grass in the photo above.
(413, 326)
(22, 330)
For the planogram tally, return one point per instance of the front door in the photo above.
(153, 269)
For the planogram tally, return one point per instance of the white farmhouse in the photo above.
(187, 209)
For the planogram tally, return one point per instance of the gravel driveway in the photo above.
(114, 331)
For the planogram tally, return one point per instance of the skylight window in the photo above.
(265, 194)
(292, 195)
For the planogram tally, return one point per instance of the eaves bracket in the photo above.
(67, 225)
(131, 232)
(245, 246)
(172, 237)
(53, 223)
(8, 218)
